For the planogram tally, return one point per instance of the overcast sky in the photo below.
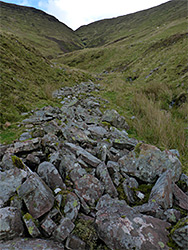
(76, 13)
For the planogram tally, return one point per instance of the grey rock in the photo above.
(180, 234)
(50, 175)
(7, 162)
(150, 163)
(31, 244)
(124, 143)
(31, 225)
(89, 188)
(63, 230)
(172, 215)
(75, 243)
(37, 196)
(83, 154)
(181, 198)
(72, 206)
(120, 228)
(48, 225)
(128, 184)
(113, 169)
(25, 136)
(32, 161)
(27, 146)
(97, 131)
(162, 190)
(9, 182)
(77, 172)
(11, 223)
(103, 175)
(112, 117)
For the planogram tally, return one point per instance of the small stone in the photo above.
(75, 243)
(63, 230)
(31, 226)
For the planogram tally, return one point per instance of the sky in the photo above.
(75, 13)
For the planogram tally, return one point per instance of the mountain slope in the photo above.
(131, 26)
(42, 30)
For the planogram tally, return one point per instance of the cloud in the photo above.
(75, 13)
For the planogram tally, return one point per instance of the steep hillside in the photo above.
(28, 79)
(42, 30)
(133, 26)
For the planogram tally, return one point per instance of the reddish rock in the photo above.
(180, 197)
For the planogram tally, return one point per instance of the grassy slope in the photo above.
(144, 72)
(28, 79)
(40, 29)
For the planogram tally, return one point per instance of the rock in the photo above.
(72, 206)
(50, 175)
(113, 169)
(120, 228)
(10, 180)
(128, 184)
(77, 172)
(63, 230)
(89, 188)
(104, 177)
(162, 190)
(37, 196)
(25, 136)
(181, 198)
(7, 162)
(31, 226)
(97, 131)
(32, 161)
(112, 117)
(148, 162)
(172, 215)
(48, 225)
(26, 146)
(180, 233)
(83, 154)
(124, 143)
(75, 243)
(52, 128)
(28, 244)
(11, 223)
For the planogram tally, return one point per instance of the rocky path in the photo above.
(75, 180)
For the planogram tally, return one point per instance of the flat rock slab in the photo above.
(181, 197)
(37, 196)
(30, 244)
(83, 154)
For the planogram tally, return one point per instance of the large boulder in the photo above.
(11, 225)
(148, 162)
(120, 228)
(10, 180)
(37, 196)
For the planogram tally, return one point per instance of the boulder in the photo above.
(31, 225)
(63, 230)
(89, 188)
(162, 190)
(103, 175)
(120, 228)
(50, 175)
(112, 117)
(181, 199)
(72, 206)
(75, 243)
(10, 180)
(37, 196)
(180, 233)
(148, 162)
(11, 223)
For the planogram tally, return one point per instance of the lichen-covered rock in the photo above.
(10, 180)
(48, 225)
(63, 230)
(112, 117)
(114, 171)
(162, 190)
(120, 228)
(11, 225)
(89, 188)
(74, 243)
(28, 243)
(148, 162)
(72, 206)
(128, 184)
(50, 175)
(37, 196)
(125, 143)
(180, 233)
(181, 198)
(172, 215)
(83, 154)
(26, 146)
(104, 177)
(31, 225)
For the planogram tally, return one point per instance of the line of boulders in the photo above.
(76, 180)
